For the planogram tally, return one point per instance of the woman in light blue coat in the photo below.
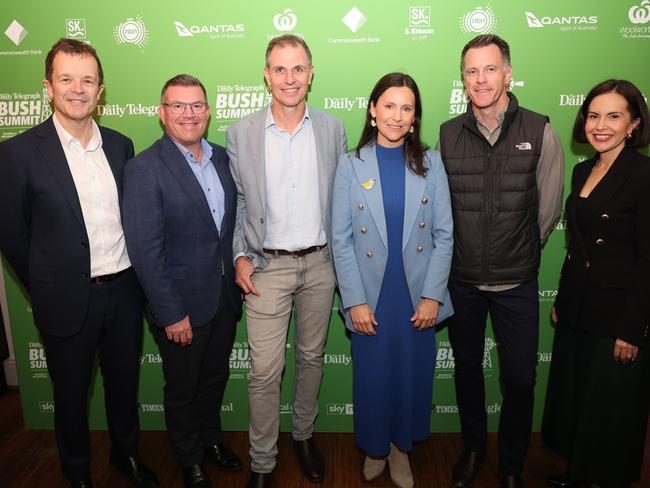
(392, 246)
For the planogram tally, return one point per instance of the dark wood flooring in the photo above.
(28, 459)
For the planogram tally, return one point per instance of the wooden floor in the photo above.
(28, 459)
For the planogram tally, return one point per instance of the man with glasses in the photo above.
(179, 214)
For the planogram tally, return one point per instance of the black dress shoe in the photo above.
(81, 484)
(195, 476)
(559, 480)
(466, 468)
(311, 460)
(512, 481)
(139, 474)
(223, 458)
(260, 480)
(562, 481)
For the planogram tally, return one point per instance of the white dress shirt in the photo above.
(99, 201)
(293, 213)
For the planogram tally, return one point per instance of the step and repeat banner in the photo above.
(559, 51)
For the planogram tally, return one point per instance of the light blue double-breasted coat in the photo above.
(359, 237)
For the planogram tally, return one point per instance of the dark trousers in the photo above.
(195, 381)
(113, 327)
(515, 319)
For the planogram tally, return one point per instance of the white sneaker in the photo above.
(400, 469)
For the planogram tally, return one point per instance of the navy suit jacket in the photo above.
(42, 230)
(174, 245)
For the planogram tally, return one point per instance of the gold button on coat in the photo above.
(360, 206)
(419, 249)
(600, 242)
(422, 225)
(363, 230)
(425, 200)
(369, 254)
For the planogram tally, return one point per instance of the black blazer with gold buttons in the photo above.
(605, 281)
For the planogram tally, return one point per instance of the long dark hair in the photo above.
(413, 147)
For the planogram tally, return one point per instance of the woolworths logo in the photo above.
(340, 409)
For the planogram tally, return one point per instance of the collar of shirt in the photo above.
(492, 136)
(206, 153)
(68, 139)
(270, 121)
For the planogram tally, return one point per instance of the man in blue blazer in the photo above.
(179, 215)
(60, 228)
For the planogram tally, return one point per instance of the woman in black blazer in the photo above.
(598, 394)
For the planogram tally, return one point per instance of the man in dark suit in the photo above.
(179, 215)
(60, 228)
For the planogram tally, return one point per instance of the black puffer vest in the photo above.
(494, 196)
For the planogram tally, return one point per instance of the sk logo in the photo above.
(420, 16)
(76, 28)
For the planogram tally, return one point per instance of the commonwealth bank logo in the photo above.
(285, 21)
(480, 20)
(16, 32)
(354, 19)
(132, 31)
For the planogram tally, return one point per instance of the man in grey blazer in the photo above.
(283, 160)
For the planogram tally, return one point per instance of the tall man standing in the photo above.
(179, 217)
(506, 171)
(60, 228)
(283, 159)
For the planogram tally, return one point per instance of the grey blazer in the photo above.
(245, 146)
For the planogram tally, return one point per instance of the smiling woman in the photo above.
(597, 401)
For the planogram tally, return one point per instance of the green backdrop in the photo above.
(559, 51)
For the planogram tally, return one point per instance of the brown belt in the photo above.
(295, 254)
(98, 280)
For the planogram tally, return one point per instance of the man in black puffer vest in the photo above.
(506, 170)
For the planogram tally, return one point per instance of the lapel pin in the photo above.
(369, 184)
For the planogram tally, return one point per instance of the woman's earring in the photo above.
(412, 130)
(373, 122)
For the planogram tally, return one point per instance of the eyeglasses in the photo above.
(179, 107)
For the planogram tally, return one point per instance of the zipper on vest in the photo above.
(486, 215)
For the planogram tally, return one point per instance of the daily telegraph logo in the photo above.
(75, 28)
(446, 363)
(638, 15)
(131, 31)
(571, 99)
(235, 101)
(285, 21)
(37, 360)
(345, 103)
(544, 357)
(419, 22)
(337, 359)
(340, 409)
(151, 358)
(16, 32)
(480, 20)
(130, 109)
(240, 361)
(565, 23)
(20, 111)
(458, 100)
(213, 31)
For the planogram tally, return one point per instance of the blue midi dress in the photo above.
(393, 370)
